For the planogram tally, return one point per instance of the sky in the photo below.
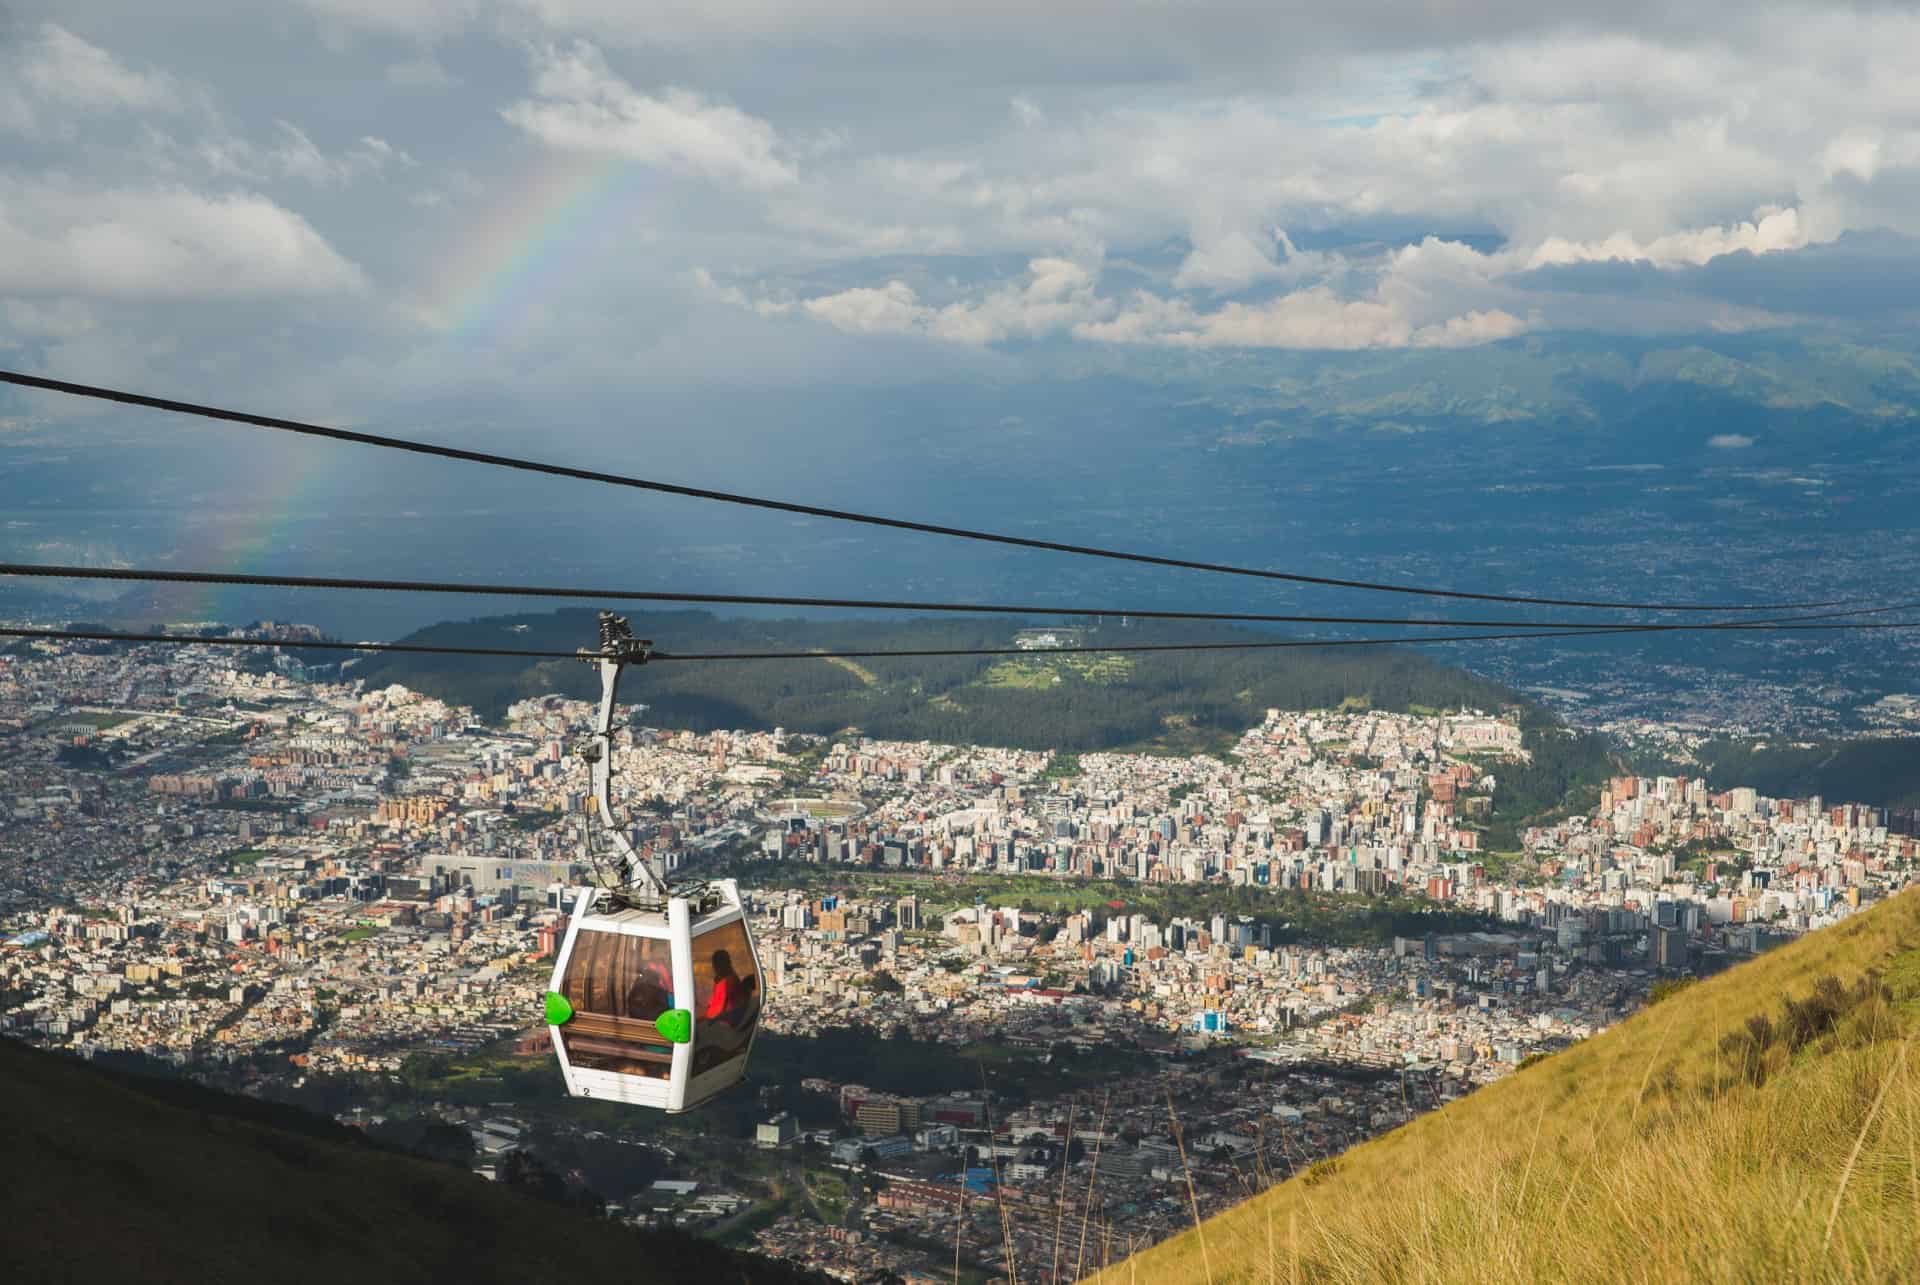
(343, 206)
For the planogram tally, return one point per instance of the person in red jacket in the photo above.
(728, 1017)
(726, 988)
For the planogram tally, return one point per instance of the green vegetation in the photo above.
(804, 763)
(905, 1065)
(85, 758)
(536, 819)
(246, 856)
(141, 1178)
(1667, 988)
(1776, 1103)
(1564, 776)
(1167, 703)
(1508, 867)
(1040, 672)
(1697, 854)
(1063, 768)
(99, 722)
(1884, 771)
(882, 982)
(361, 933)
(1174, 702)
(1034, 675)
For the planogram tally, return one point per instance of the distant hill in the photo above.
(1796, 380)
(1178, 701)
(1884, 771)
(118, 1177)
(1757, 1126)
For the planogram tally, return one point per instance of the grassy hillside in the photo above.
(1762, 1125)
(1180, 701)
(120, 1177)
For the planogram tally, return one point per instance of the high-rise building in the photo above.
(906, 913)
(1669, 948)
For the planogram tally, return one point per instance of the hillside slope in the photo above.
(1071, 702)
(1762, 1125)
(120, 1177)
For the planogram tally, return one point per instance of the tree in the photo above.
(448, 1142)
(420, 1070)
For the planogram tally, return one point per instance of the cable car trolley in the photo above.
(656, 994)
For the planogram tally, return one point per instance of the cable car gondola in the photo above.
(656, 994)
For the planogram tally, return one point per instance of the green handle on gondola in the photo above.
(675, 1025)
(559, 1012)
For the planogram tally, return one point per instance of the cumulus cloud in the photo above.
(1771, 231)
(1061, 297)
(1205, 175)
(51, 75)
(291, 153)
(580, 105)
(58, 238)
(1313, 318)
(1057, 295)
(1226, 258)
(1729, 441)
(1077, 42)
(296, 155)
(66, 69)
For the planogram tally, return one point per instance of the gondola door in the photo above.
(727, 994)
(611, 1007)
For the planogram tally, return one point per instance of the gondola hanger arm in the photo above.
(618, 649)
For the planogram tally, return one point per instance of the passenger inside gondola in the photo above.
(730, 1004)
(726, 987)
(617, 984)
(651, 993)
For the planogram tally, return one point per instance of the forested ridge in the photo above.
(1880, 770)
(1179, 701)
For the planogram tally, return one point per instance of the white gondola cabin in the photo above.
(657, 1009)
(656, 994)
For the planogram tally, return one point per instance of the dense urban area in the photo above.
(1021, 1007)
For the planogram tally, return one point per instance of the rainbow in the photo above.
(271, 500)
(493, 276)
(488, 281)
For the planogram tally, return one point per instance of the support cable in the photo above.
(660, 657)
(244, 579)
(123, 397)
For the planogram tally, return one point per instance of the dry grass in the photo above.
(1646, 1153)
